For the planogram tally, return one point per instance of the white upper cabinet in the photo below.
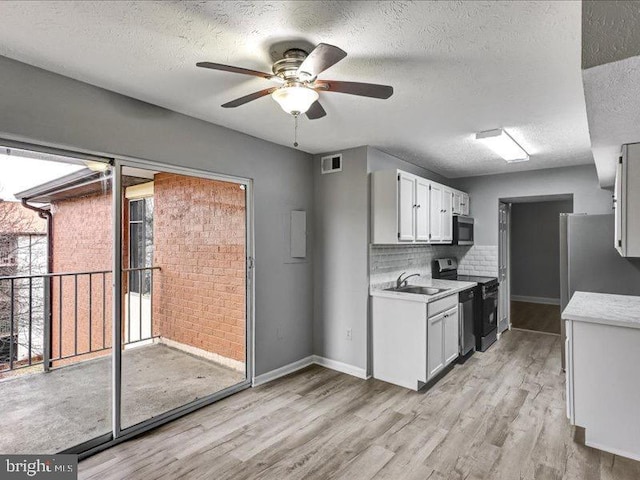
(460, 205)
(446, 216)
(435, 216)
(406, 208)
(456, 206)
(422, 210)
(464, 204)
(627, 202)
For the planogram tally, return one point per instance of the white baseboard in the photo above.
(543, 300)
(282, 371)
(340, 367)
(305, 362)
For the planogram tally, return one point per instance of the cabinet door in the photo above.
(456, 208)
(446, 215)
(451, 335)
(406, 210)
(464, 204)
(422, 210)
(435, 344)
(435, 213)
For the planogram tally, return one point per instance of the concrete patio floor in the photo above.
(50, 412)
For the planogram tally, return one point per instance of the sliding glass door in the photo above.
(184, 290)
(97, 253)
(56, 317)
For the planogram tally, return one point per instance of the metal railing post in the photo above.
(46, 353)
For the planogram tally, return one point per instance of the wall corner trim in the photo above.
(305, 362)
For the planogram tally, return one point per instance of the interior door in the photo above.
(406, 202)
(435, 213)
(504, 293)
(447, 216)
(422, 210)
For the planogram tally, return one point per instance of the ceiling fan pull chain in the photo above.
(295, 131)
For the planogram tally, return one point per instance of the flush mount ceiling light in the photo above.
(295, 99)
(501, 143)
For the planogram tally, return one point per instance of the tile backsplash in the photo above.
(386, 262)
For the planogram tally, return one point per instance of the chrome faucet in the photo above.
(402, 282)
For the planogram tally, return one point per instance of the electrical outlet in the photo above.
(349, 334)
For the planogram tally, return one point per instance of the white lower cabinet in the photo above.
(451, 336)
(443, 340)
(413, 341)
(435, 336)
(603, 391)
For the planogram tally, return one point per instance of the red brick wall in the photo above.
(199, 243)
(82, 241)
(199, 237)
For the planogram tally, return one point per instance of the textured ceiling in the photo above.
(610, 31)
(612, 94)
(457, 68)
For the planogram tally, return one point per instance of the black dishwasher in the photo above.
(467, 309)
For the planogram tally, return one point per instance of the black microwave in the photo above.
(462, 230)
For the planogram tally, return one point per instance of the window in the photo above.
(140, 244)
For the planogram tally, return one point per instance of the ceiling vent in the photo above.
(331, 163)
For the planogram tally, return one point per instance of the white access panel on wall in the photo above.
(298, 239)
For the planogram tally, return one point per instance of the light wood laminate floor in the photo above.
(501, 415)
(536, 316)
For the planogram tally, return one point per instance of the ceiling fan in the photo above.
(297, 74)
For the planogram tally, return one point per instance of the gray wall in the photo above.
(44, 107)
(340, 260)
(535, 248)
(485, 191)
(341, 252)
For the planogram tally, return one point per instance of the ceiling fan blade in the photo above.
(248, 98)
(321, 58)
(356, 88)
(229, 68)
(316, 111)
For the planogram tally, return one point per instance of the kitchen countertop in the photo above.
(454, 287)
(604, 308)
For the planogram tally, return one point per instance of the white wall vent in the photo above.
(331, 163)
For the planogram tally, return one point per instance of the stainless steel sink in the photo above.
(419, 290)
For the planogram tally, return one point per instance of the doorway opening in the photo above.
(529, 257)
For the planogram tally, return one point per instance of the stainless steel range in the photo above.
(485, 300)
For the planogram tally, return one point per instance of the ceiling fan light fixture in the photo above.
(295, 99)
(501, 143)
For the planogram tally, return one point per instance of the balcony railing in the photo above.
(51, 318)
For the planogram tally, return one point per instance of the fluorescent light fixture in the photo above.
(295, 99)
(501, 143)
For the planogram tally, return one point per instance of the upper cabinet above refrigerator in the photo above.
(627, 202)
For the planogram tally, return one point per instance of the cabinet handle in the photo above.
(417, 206)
